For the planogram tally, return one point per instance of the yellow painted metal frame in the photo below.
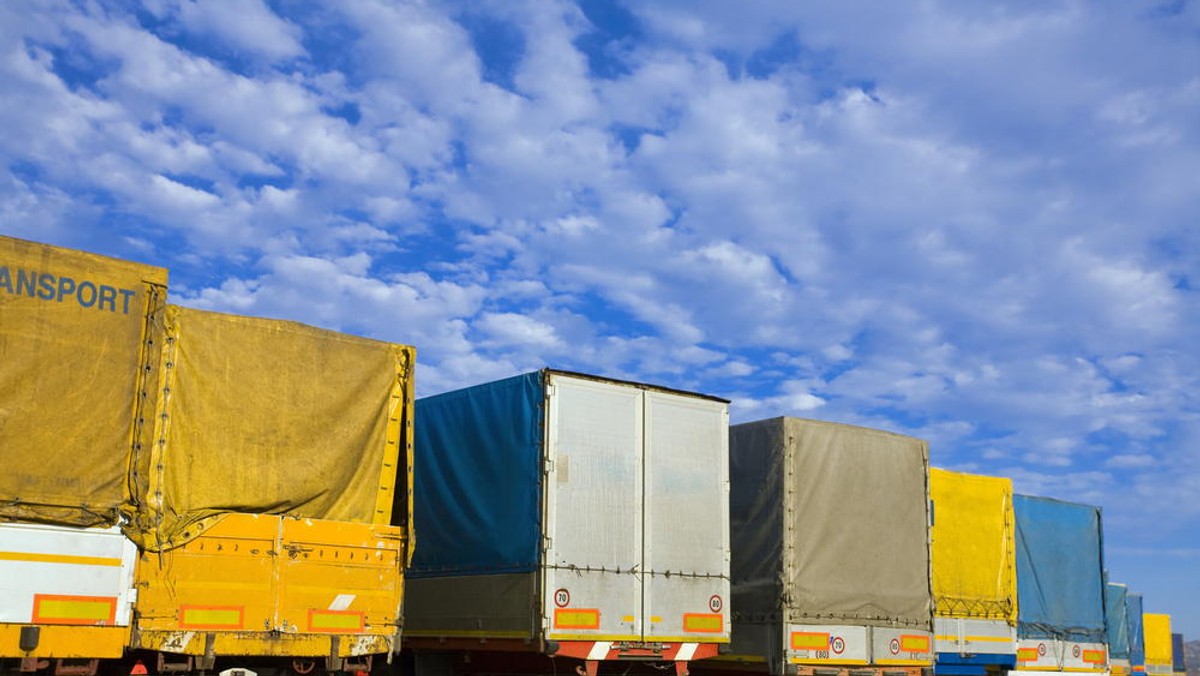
(400, 429)
(66, 642)
(255, 583)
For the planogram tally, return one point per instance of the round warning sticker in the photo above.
(562, 597)
(715, 603)
(837, 644)
(1075, 650)
(1042, 649)
(895, 646)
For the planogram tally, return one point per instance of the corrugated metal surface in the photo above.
(71, 332)
(974, 546)
(1060, 579)
(265, 416)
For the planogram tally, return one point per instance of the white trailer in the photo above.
(568, 516)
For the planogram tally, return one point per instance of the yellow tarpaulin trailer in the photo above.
(1157, 629)
(266, 490)
(974, 571)
(974, 550)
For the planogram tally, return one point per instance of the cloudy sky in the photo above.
(976, 223)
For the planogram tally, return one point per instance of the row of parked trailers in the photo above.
(192, 491)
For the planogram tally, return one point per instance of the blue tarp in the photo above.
(477, 488)
(1137, 637)
(1118, 623)
(1178, 661)
(1060, 563)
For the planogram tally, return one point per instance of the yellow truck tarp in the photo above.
(1157, 630)
(974, 549)
(71, 355)
(263, 416)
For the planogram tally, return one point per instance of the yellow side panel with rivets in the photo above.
(271, 585)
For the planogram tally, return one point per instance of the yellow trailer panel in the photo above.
(67, 642)
(974, 548)
(1157, 630)
(71, 335)
(266, 585)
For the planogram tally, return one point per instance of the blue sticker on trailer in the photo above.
(1115, 596)
(1137, 637)
(1060, 563)
(477, 458)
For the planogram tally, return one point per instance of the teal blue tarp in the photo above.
(1116, 617)
(477, 478)
(1060, 563)
(1137, 637)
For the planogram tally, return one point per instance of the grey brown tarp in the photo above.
(829, 525)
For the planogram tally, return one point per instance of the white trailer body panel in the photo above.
(686, 557)
(901, 647)
(636, 523)
(1036, 654)
(970, 636)
(65, 575)
(842, 645)
(593, 511)
(826, 644)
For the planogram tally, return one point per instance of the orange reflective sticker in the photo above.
(333, 621)
(60, 609)
(576, 618)
(810, 640)
(710, 623)
(212, 617)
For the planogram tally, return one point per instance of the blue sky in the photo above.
(975, 223)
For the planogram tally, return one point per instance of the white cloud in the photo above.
(510, 328)
(247, 25)
(342, 294)
(1130, 461)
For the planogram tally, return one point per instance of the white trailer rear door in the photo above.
(686, 550)
(593, 555)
